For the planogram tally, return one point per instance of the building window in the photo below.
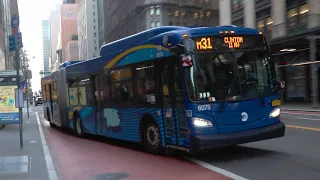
(170, 23)
(152, 24)
(158, 24)
(94, 13)
(95, 48)
(158, 10)
(94, 20)
(239, 23)
(151, 10)
(237, 4)
(297, 18)
(95, 34)
(94, 27)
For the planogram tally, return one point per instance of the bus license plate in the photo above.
(276, 103)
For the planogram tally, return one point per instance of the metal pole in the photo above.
(27, 96)
(18, 84)
(314, 67)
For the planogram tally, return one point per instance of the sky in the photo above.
(31, 13)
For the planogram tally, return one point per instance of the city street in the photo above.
(296, 156)
(96, 158)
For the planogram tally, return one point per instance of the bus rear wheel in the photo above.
(152, 138)
(49, 118)
(78, 127)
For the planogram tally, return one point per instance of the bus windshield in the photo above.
(228, 76)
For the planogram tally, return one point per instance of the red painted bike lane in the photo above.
(84, 159)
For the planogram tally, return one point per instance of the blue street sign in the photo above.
(19, 40)
(12, 43)
(22, 84)
(15, 21)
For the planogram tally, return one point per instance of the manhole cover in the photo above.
(110, 176)
(14, 164)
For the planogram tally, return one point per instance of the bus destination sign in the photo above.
(210, 43)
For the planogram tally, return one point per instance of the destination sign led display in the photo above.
(222, 43)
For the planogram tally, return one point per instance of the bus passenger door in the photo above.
(176, 128)
(98, 103)
(50, 100)
(102, 100)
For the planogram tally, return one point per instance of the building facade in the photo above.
(8, 9)
(72, 51)
(46, 47)
(287, 24)
(2, 37)
(88, 29)
(101, 7)
(126, 17)
(54, 21)
(68, 25)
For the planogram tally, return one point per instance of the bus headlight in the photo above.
(274, 113)
(198, 122)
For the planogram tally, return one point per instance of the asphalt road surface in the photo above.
(295, 156)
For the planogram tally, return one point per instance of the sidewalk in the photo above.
(300, 107)
(28, 163)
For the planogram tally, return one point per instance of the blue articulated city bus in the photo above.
(189, 89)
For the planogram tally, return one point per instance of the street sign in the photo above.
(15, 22)
(19, 40)
(12, 43)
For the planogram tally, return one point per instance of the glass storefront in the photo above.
(297, 76)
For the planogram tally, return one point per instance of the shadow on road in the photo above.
(102, 139)
(233, 153)
(225, 154)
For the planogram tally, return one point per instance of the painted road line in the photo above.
(303, 127)
(308, 119)
(50, 166)
(216, 169)
(308, 114)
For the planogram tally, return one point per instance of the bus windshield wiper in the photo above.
(263, 102)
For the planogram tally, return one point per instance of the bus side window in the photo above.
(145, 84)
(122, 91)
(73, 92)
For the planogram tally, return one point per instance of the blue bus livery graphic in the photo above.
(190, 89)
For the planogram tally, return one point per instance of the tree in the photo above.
(74, 37)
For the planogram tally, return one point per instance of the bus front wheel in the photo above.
(152, 138)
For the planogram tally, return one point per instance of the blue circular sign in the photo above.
(15, 21)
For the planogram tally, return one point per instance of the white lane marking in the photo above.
(50, 166)
(301, 114)
(216, 169)
(308, 119)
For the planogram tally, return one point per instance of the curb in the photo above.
(305, 110)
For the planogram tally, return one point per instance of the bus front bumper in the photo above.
(205, 142)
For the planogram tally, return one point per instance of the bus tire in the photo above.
(49, 118)
(151, 137)
(78, 130)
